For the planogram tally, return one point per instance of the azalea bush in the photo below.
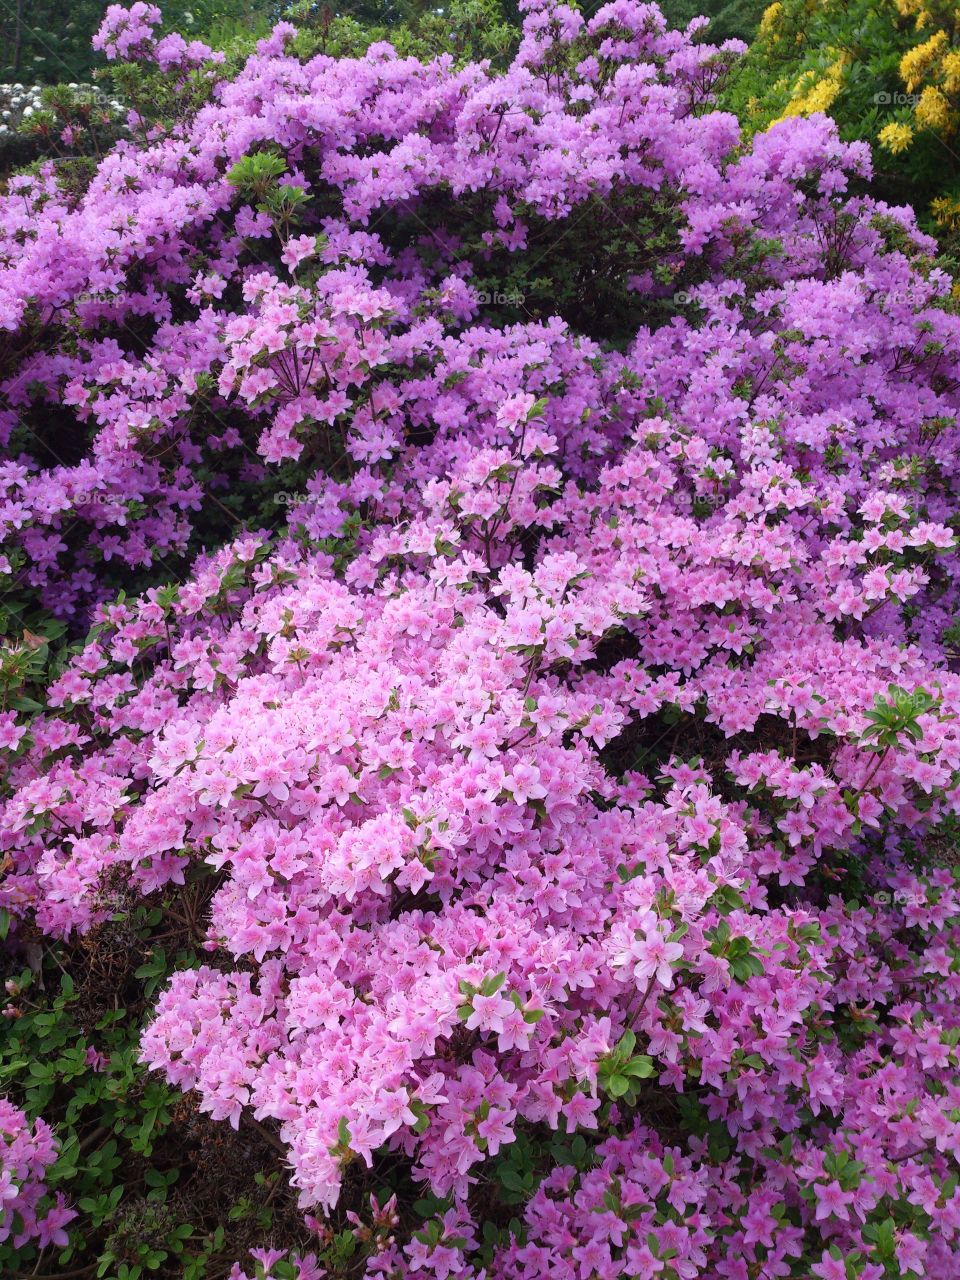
(532, 707)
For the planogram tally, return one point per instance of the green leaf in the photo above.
(617, 1086)
(639, 1068)
(627, 1044)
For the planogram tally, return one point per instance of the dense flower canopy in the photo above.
(571, 732)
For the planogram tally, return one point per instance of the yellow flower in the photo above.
(821, 96)
(917, 10)
(811, 95)
(933, 110)
(770, 19)
(895, 137)
(950, 70)
(946, 212)
(916, 63)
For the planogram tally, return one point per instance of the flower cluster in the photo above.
(582, 743)
(27, 1211)
(20, 102)
(128, 35)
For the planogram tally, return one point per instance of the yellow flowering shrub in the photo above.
(916, 9)
(932, 67)
(915, 64)
(771, 20)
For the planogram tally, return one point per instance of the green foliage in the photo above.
(256, 174)
(25, 656)
(737, 950)
(40, 43)
(161, 1191)
(621, 1070)
(468, 29)
(729, 19)
(256, 178)
(894, 719)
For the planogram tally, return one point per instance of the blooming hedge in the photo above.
(570, 732)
